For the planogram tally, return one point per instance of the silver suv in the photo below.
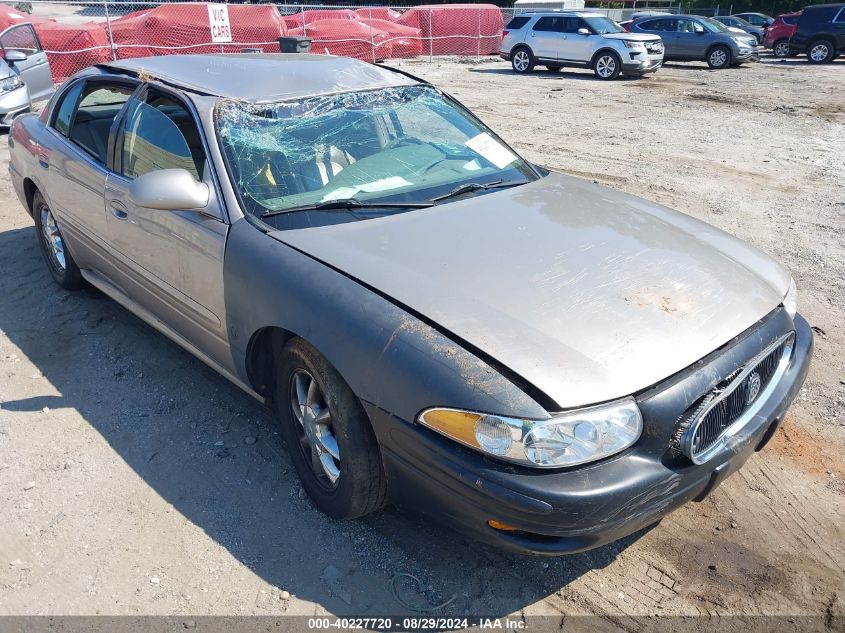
(591, 40)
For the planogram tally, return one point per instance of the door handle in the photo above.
(118, 212)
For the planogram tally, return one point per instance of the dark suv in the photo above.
(820, 32)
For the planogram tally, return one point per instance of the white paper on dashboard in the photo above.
(491, 149)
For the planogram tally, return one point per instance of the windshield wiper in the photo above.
(344, 204)
(476, 186)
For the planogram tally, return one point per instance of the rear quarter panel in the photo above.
(29, 139)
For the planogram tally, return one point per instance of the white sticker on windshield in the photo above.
(340, 194)
(491, 149)
(385, 184)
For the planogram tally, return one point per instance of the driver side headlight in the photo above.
(10, 83)
(790, 300)
(633, 45)
(567, 439)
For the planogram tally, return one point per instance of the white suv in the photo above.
(591, 40)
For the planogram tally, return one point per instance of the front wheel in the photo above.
(329, 437)
(781, 49)
(607, 66)
(522, 60)
(821, 52)
(719, 57)
(59, 261)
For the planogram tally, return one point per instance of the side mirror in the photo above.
(169, 190)
(14, 56)
(583, 31)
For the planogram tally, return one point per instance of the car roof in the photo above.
(263, 77)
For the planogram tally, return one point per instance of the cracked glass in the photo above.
(394, 145)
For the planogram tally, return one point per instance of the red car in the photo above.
(777, 37)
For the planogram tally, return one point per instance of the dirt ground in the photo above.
(134, 480)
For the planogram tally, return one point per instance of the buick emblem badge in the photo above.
(753, 387)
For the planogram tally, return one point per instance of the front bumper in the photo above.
(572, 510)
(641, 64)
(746, 54)
(12, 104)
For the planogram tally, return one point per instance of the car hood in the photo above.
(587, 293)
(632, 37)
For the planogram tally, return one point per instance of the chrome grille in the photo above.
(703, 429)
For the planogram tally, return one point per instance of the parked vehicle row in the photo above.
(641, 45)
(557, 39)
(590, 40)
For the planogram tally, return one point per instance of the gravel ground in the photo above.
(134, 480)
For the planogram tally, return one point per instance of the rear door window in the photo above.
(91, 125)
(654, 25)
(66, 108)
(549, 23)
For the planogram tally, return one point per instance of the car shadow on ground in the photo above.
(212, 452)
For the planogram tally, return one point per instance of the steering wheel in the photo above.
(403, 140)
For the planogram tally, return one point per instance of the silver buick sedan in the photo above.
(541, 362)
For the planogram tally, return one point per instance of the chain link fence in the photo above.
(78, 34)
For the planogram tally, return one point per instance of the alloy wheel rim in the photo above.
(520, 60)
(53, 239)
(316, 432)
(717, 58)
(782, 49)
(606, 66)
(819, 52)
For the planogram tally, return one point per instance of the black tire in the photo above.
(59, 261)
(607, 66)
(719, 57)
(522, 60)
(552, 68)
(360, 487)
(781, 49)
(821, 52)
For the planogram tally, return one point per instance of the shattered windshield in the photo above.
(403, 146)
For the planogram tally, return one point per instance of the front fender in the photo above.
(388, 357)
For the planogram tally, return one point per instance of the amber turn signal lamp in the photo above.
(504, 527)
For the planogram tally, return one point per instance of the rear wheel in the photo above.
(607, 65)
(522, 60)
(719, 57)
(59, 261)
(329, 437)
(781, 49)
(821, 52)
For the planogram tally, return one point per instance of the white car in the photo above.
(588, 40)
(24, 72)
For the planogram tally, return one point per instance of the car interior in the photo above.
(96, 112)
